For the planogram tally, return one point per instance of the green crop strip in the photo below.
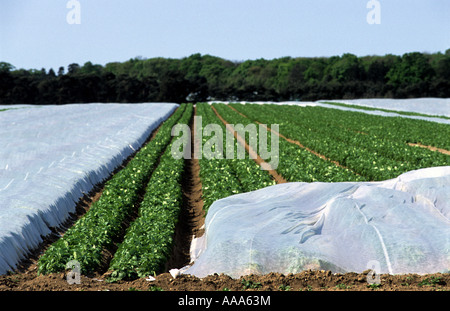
(295, 164)
(224, 177)
(95, 231)
(373, 146)
(397, 129)
(249, 173)
(218, 177)
(149, 239)
(406, 113)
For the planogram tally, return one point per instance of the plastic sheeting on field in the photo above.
(386, 114)
(427, 105)
(397, 226)
(51, 155)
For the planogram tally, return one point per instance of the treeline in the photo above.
(205, 77)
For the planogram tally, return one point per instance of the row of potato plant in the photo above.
(249, 173)
(335, 135)
(222, 177)
(148, 241)
(87, 239)
(407, 130)
(296, 164)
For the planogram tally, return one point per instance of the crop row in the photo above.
(337, 136)
(148, 241)
(156, 179)
(86, 240)
(248, 172)
(398, 129)
(222, 177)
(295, 163)
(151, 183)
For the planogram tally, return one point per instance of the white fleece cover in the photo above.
(402, 224)
(51, 155)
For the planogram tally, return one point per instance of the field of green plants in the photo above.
(374, 147)
(139, 208)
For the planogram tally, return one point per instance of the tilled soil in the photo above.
(277, 177)
(304, 281)
(27, 279)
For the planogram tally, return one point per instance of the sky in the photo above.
(37, 34)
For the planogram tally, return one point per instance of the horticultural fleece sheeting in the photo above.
(51, 155)
(396, 226)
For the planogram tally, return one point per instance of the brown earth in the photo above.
(304, 281)
(295, 142)
(444, 151)
(190, 225)
(192, 215)
(252, 153)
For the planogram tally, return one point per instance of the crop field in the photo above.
(140, 221)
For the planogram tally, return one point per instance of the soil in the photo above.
(304, 281)
(266, 166)
(295, 142)
(192, 215)
(25, 278)
(444, 151)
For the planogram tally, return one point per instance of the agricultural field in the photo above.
(52, 156)
(140, 215)
(437, 107)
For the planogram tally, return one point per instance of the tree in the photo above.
(347, 68)
(6, 84)
(47, 88)
(315, 71)
(67, 90)
(413, 68)
(173, 87)
(61, 71)
(377, 70)
(6, 67)
(443, 67)
(24, 90)
(89, 68)
(205, 77)
(73, 68)
(51, 73)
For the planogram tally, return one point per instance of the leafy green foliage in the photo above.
(149, 239)
(249, 284)
(87, 238)
(432, 281)
(295, 163)
(198, 77)
(406, 113)
(372, 146)
(374, 286)
(413, 68)
(224, 177)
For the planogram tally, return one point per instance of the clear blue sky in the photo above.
(34, 34)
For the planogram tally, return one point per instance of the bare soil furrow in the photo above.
(192, 215)
(296, 142)
(253, 154)
(444, 151)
